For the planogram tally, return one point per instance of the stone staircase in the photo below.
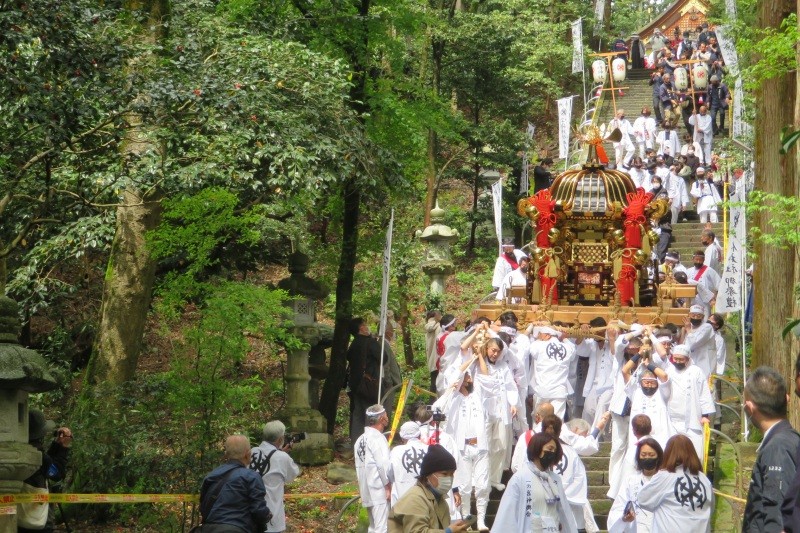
(638, 94)
(686, 239)
(597, 474)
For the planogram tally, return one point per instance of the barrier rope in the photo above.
(730, 497)
(11, 499)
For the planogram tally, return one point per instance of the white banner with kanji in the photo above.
(564, 118)
(497, 203)
(577, 46)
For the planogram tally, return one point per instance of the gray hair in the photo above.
(579, 426)
(237, 447)
(374, 414)
(274, 430)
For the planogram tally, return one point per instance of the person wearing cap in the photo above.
(507, 262)
(699, 339)
(719, 97)
(371, 452)
(552, 359)
(705, 279)
(649, 394)
(703, 131)
(423, 508)
(433, 329)
(467, 424)
(542, 177)
(535, 498)
(276, 468)
(405, 460)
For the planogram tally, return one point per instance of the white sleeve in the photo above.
(614, 521)
(652, 493)
(520, 454)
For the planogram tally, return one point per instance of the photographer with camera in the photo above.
(276, 468)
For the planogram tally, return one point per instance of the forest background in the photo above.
(160, 160)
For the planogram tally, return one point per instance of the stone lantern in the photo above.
(22, 371)
(438, 262)
(298, 415)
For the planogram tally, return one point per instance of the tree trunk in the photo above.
(404, 319)
(775, 269)
(127, 293)
(130, 274)
(344, 303)
(351, 195)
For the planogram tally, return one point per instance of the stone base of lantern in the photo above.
(17, 462)
(317, 448)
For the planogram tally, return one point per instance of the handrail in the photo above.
(737, 473)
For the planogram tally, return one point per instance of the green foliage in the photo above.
(162, 433)
(771, 50)
(783, 223)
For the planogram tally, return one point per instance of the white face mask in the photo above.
(445, 484)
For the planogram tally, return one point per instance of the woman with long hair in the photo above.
(534, 499)
(680, 496)
(626, 515)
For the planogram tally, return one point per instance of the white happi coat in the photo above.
(503, 268)
(707, 286)
(690, 397)
(676, 190)
(707, 195)
(371, 453)
(654, 406)
(497, 389)
(524, 504)
(641, 178)
(722, 352)
(404, 464)
(465, 418)
(573, 478)
(275, 472)
(515, 278)
(630, 493)
(713, 255)
(451, 356)
(552, 359)
(679, 501)
(703, 348)
(644, 128)
(668, 143)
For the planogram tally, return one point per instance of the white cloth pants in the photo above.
(559, 405)
(378, 518)
(619, 445)
(499, 449)
(623, 152)
(473, 473)
(598, 406)
(705, 140)
(708, 216)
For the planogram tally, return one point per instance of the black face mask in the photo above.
(469, 387)
(696, 322)
(649, 391)
(698, 265)
(548, 459)
(648, 464)
(679, 366)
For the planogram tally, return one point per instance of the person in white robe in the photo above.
(534, 500)
(680, 496)
(707, 197)
(703, 131)
(706, 280)
(371, 454)
(649, 395)
(699, 338)
(668, 142)
(466, 423)
(624, 149)
(500, 397)
(507, 261)
(431, 432)
(573, 477)
(405, 460)
(516, 278)
(713, 250)
(676, 191)
(639, 174)
(626, 515)
(449, 349)
(644, 130)
(552, 359)
(717, 322)
(691, 405)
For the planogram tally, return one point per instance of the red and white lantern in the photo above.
(700, 76)
(619, 68)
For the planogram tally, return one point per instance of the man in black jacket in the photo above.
(542, 177)
(765, 402)
(232, 498)
(791, 503)
(363, 364)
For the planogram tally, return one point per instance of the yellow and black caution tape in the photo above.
(730, 497)
(7, 501)
(401, 403)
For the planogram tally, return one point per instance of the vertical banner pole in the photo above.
(387, 261)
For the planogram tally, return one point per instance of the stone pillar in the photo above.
(22, 371)
(317, 448)
(438, 262)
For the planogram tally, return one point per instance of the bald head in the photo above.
(544, 409)
(237, 448)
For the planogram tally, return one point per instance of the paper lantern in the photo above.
(619, 68)
(681, 79)
(599, 72)
(700, 76)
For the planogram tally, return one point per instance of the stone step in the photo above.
(595, 463)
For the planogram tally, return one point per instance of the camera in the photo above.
(438, 415)
(294, 438)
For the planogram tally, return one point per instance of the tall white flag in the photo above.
(577, 46)
(564, 118)
(497, 203)
(387, 261)
(524, 179)
(729, 296)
